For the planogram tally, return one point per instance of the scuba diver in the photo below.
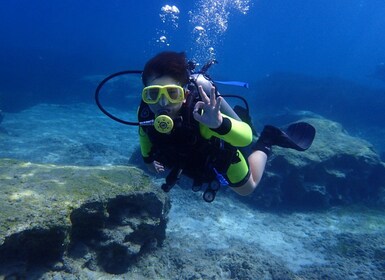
(186, 126)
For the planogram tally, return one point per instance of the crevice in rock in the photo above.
(38, 245)
(120, 230)
(105, 236)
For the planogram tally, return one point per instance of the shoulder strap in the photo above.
(144, 112)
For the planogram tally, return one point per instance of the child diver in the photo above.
(194, 131)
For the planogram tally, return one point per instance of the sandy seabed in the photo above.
(225, 239)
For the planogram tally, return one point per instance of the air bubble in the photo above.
(210, 21)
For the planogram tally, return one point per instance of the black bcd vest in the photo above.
(186, 149)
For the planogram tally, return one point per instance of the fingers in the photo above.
(196, 113)
(215, 103)
(158, 167)
(207, 111)
(218, 104)
(212, 97)
(212, 101)
(203, 95)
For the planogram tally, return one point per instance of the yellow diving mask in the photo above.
(173, 93)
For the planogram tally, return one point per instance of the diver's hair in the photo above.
(171, 64)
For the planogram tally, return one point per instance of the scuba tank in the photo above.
(206, 83)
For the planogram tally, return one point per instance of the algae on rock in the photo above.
(337, 169)
(48, 209)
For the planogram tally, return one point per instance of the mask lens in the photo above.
(175, 93)
(152, 94)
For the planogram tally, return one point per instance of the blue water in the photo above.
(299, 57)
(59, 41)
(319, 56)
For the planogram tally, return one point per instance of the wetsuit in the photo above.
(197, 149)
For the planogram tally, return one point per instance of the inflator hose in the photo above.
(102, 83)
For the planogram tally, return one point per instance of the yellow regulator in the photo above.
(163, 124)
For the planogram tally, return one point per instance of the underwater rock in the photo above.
(102, 216)
(337, 170)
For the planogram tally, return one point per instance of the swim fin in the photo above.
(298, 136)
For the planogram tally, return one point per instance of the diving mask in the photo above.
(173, 93)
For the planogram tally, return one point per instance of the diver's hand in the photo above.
(155, 167)
(210, 109)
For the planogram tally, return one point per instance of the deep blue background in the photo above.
(322, 38)
(304, 55)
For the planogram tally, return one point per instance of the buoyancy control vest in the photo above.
(185, 150)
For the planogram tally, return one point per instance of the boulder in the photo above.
(338, 169)
(107, 216)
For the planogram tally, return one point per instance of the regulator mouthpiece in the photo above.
(163, 124)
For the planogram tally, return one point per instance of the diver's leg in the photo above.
(298, 136)
(257, 162)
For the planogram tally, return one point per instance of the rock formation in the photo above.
(106, 216)
(338, 169)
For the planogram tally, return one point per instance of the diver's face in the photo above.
(163, 106)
